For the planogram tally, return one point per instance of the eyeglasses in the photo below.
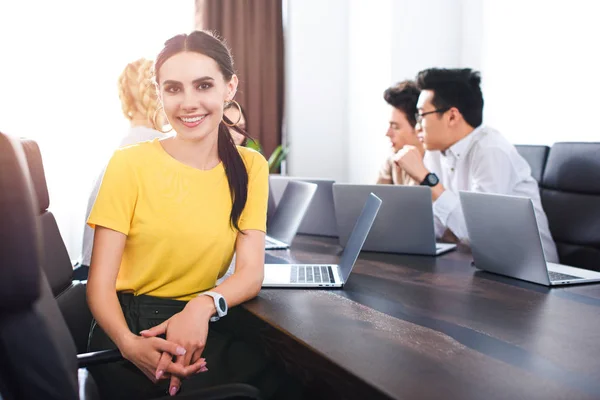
(419, 117)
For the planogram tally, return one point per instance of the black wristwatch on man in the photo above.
(430, 180)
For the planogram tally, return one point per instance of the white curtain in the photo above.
(58, 85)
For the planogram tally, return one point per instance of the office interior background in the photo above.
(61, 60)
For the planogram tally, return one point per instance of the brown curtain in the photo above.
(253, 29)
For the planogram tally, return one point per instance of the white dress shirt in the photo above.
(483, 161)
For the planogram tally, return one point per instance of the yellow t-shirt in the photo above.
(176, 218)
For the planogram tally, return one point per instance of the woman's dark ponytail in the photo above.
(236, 172)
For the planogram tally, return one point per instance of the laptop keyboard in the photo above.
(311, 274)
(557, 276)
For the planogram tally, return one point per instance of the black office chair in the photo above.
(38, 354)
(536, 156)
(70, 294)
(570, 192)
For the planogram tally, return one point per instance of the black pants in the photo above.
(80, 273)
(229, 357)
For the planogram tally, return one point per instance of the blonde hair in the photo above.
(137, 91)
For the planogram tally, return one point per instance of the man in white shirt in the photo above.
(462, 154)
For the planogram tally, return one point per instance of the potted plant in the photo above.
(275, 159)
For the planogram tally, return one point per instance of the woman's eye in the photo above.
(172, 89)
(204, 86)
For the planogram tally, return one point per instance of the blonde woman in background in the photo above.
(140, 106)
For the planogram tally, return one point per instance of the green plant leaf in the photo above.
(254, 145)
(277, 157)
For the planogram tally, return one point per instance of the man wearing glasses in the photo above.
(463, 154)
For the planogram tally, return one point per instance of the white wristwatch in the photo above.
(220, 305)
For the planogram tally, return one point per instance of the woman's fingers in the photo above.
(163, 364)
(175, 383)
(159, 329)
(197, 363)
(169, 347)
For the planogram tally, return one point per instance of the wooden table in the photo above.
(417, 327)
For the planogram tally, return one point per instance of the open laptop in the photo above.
(320, 216)
(404, 224)
(505, 240)
(325, 275)
(283, 225)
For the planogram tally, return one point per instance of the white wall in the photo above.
(369, 70)
(316, 43)
(425, 34)
(540, 69)
(58, 85)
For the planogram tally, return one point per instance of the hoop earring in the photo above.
(156, 125)
(239, 109)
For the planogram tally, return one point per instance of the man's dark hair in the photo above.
(458, 88)
(404, 96)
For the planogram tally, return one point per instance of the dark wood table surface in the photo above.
(417, 327)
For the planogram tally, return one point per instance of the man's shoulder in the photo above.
(491, 140)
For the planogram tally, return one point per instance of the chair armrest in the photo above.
(85, 360)
(222, 392)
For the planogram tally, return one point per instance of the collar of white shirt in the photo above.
(461, 148)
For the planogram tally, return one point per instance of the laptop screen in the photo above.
(290, 211)
(359, 235)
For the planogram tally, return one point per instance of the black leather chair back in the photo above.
(536, 156)
(570, 192)
(36, 349)
(70, 295)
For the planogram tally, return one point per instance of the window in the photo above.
(59, 70)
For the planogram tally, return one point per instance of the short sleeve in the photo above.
(385, 173)
(117, 197)
(254, 215)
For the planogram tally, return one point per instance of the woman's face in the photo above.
(193, 92)
(233, 113)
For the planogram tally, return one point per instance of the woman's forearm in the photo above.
(106, 309)
(101, 286)
(241, 286)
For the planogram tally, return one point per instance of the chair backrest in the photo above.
(536, 156)
(71, 295)
(36, 349)
(570, 192)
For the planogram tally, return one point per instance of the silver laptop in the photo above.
(325, 275)
(285, 221)
(505, 240)
(320, 216)
(404, 224)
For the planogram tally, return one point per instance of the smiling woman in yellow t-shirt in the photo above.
(168, 217)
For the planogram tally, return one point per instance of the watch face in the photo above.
(432, 179)
(222, 304)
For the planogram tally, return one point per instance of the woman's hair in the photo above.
(404, 96)
(208, 44)
(136, 91)
(231, 105)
